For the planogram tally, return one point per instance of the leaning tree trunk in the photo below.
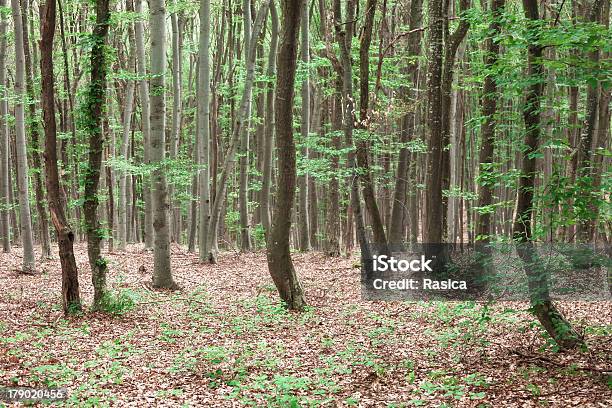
(203, 134)
(4, 142)
(162, 274)
(141, 70)
(29, 262)
(553, 321)
(94, 109)
(269, 124)
(43, 220)
(70, 282)
(278, 251)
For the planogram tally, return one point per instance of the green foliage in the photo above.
(119, 302)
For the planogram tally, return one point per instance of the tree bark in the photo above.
(29, 262)
(4, 142)
(70, 282)
(141, 70)
(244, 149)
(43, 221)
(278, 251)
(400, 195)
(94, 109)
(304, 226)
(489, 109)
(269, 123)
(204, 129)
(162, 274)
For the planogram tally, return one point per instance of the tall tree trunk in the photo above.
(304, 226)
(553, 321)
(141, 70)
(94, 109)
(332, 247)
(433, 212)
(489, 109)
(203, 128)
(584, 171)
(70, 282)
(400, 195)
(29, 261)
(344, 38)
(125, 144)
(269, 123)
(4, 141)
(279, 255)
(243, 191)
(176, 119)
(162, 274)
(43, 221)
(369, 197)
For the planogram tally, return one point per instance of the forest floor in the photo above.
(224, 340)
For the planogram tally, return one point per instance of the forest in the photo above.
(291, 203)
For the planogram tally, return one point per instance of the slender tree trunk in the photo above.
(29, 262)
(584, 171)
(203, 128)
(433, 213)
(333, 214)
(123, 177)
(269, 123)
(369, 197)
(176, 120)
(344, 38)
(304, 226)
(43, 221)
(279, 255)
(70, 282)
(94, 108)
(553, 321)
(400, 202)
(141, 70)
(243, 192)
(4, 141)
(489, 109)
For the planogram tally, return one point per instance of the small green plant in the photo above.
(118, 303)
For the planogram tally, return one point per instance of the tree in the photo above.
(280, 264)
(93, 111)
(269, 122)
(551, 318)
(489, 109)
(65, 237)
(34, 127)
(162, 274)
(204, 128)
(4, 142)
(145, 120)
(29, 262)
(304, 226)
(244, 151)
